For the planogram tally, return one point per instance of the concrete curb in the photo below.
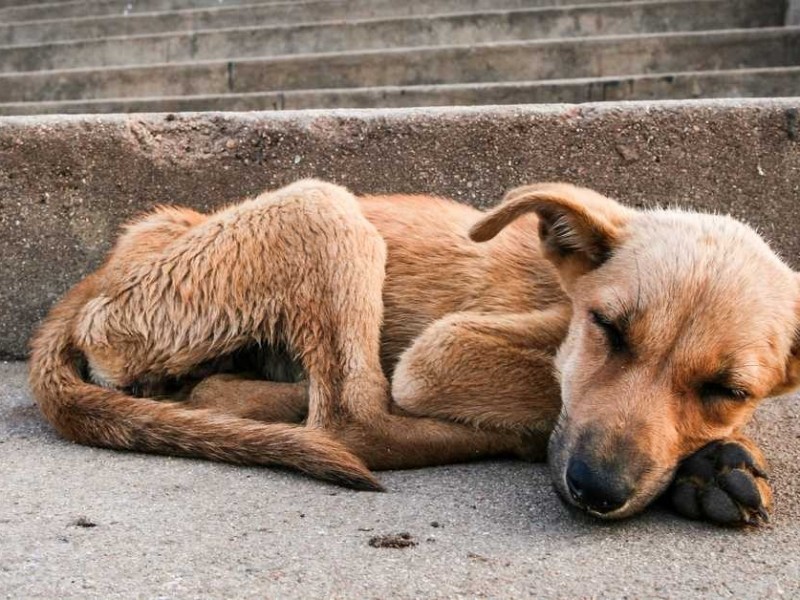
(66, 183)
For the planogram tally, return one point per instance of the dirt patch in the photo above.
(394, 540)
(83, 522)
(477, 557)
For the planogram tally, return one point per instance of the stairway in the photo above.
(79, 56)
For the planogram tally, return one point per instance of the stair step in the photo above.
(297, 10)
(487, 63)
(4, 4)
(740, 83)
(463, 29)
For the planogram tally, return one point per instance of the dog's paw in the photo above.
(724, 483)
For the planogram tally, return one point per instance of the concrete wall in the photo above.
(66, 183)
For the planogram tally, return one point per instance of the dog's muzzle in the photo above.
(596, 489)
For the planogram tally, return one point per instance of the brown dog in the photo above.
(665, 329)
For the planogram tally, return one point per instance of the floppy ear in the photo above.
(578, 228)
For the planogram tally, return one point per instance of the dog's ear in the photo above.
(578, 228)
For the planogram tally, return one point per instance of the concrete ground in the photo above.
(90, 523)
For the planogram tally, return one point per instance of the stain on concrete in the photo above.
(791, 123)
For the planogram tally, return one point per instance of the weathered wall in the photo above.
(66, 183)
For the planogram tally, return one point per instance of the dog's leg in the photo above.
(251, 398)
(384, 441)
(488, 370)
(724, 482)
(392, 441)
(494, 372)
(334, 324)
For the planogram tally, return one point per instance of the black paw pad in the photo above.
(740, 486)
(719, 507)
(719, 484)
(685, 500)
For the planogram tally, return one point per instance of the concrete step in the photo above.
(738, 83)
(463, 29)
(67, 183)
(487, 63)
(60, 9)
(20, 3)
(295, 10)
(53, 30)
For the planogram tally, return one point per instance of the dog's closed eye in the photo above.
(713, 390)
(615, 335)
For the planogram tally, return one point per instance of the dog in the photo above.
(627, 347)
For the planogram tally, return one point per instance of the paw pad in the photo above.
(723, 484)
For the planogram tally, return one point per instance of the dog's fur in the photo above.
(665, 329)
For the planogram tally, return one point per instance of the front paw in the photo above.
(723, 483)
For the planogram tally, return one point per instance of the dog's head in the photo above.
(682, 323)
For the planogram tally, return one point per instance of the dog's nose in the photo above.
(596, 489)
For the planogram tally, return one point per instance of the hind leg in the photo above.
(333, 325)
(392, 441)
(251, 398)
(329, 280)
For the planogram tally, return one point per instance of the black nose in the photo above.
(595, 488)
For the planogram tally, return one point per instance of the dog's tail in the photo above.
(97, 416)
